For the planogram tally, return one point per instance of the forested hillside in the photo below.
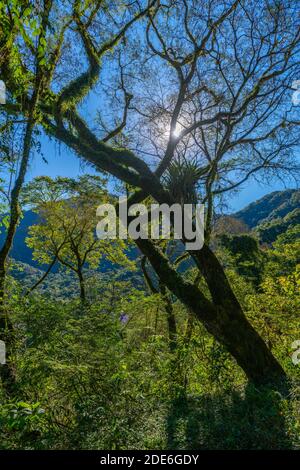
(278, 204)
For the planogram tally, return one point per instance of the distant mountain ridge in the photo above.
(279, 205)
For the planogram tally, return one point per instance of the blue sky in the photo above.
(62, 162)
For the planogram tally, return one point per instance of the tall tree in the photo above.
(235, 96)
(33, 93)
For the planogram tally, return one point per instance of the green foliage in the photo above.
(102, 376)
(66, 231)
(269, 231)
(24, 421)
(285, 255)
(182, 178)
(243, 252)
(275, 205)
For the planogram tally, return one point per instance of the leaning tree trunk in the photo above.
(223, 319)
(223, 316)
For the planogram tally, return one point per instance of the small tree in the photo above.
(66, 229)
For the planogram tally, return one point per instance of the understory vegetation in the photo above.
(103, 376)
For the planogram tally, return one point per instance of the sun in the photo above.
(177, 131)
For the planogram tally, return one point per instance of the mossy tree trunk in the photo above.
(222, 315)
(225, 320)
(6, 327)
